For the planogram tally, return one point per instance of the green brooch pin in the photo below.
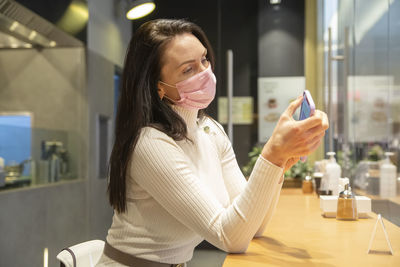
(206, 129)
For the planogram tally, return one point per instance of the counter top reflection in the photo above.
(299, 236)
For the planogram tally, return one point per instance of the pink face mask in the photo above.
(196, 92)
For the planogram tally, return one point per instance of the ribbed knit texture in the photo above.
(180, 193)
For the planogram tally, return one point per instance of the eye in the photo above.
(187, 70)
(205, 61)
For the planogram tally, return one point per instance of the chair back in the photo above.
(85, 254)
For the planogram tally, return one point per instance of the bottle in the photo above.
(2, 173)
(387, 181)
(333, 173)
(347, 205)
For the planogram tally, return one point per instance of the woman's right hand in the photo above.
(291, 138)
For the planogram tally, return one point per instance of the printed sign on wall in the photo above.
(274, 96)
(242, 110)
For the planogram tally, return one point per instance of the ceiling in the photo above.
(22, 28)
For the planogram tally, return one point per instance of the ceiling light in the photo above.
(140, 8)
(274, 2)
(32, 35)
(13, 26)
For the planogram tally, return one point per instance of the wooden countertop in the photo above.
(299, 236)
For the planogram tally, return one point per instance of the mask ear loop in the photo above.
(162, 94)
(167, 84)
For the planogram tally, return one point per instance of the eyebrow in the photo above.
(191, 60)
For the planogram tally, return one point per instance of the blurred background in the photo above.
(60, 68)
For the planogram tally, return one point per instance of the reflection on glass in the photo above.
(31, 156)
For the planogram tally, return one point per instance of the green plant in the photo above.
(375, 153)
(299, 170)
(253, 156)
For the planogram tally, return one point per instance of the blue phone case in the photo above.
(307, 106)
(307, 109)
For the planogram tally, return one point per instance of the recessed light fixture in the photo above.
(13, 26)
(274, 2)
(32, 35)
(140, 8)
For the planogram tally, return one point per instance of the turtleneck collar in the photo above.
(188, 115)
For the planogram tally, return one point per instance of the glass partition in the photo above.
(362, 85)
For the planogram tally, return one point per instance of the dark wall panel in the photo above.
(239, 33)
(281, 38)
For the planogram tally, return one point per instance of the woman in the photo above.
(174, 179)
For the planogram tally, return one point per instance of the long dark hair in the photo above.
(139, 104)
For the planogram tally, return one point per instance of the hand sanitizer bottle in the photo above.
(387, 183)
(333, 172)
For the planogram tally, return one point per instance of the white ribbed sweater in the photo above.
(180, 193)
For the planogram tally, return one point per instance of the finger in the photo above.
(310, 148)
(324, 117)
(294, 160)
(325, 121)
(315, 146)
(310, 122)
(291, 162)
(293, 106)
(315, 131)
(315, 141)
(305, 148)
(317, 138)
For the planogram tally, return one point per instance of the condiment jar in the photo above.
(307, 185)
(347, 205)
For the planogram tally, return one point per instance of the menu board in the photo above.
(274, 96)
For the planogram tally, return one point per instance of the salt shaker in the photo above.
(347, 206)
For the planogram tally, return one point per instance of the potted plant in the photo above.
(295, 175)
(253, 155)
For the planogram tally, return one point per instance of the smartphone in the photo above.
(307, 106)
(307, 109)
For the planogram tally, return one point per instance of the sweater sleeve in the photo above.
(161, 168)
(270, 211)
(235, 181)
